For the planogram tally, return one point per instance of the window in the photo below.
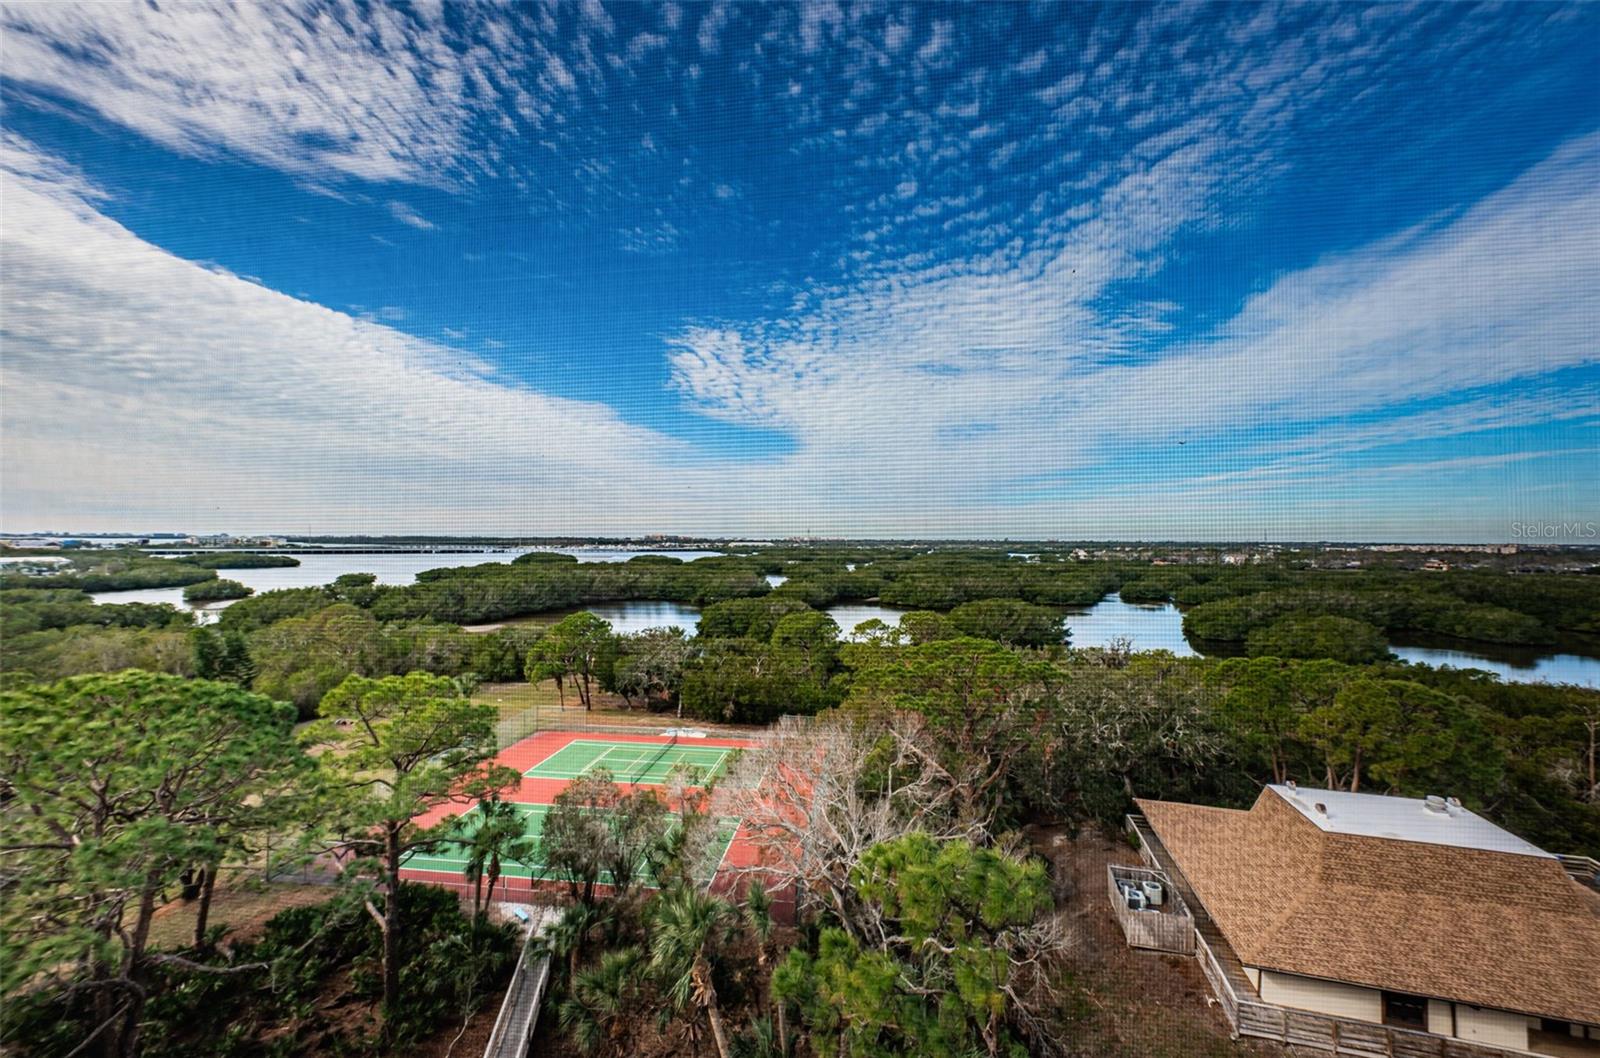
(1405, 1012)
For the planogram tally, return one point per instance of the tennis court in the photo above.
(450, 857)
(639, 763)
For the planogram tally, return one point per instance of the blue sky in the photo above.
(1323, 271)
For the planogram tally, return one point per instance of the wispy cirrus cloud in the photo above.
(1507, 291)
(960, 249)
(410, 217)
(154, 384)
(312, 90)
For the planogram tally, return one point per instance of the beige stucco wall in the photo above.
(1439, 1017)
(1496, 1028)
(1324, 997)
(1255, 977)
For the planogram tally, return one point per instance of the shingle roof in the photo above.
(1493, 929)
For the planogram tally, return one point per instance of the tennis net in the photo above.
(653, 761)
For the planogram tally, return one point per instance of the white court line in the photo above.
(596, 762)
(694, 756)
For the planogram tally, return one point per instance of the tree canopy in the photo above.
(394, 750)
(118, 784)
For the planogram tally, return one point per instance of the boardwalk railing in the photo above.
(519, 1011)
(1211, 966)
(1585, 869)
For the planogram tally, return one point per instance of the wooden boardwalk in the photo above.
(519, 1012)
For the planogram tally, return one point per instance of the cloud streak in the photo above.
(961, 272)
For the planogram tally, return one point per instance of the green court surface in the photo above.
(450, 857)
(640, 763)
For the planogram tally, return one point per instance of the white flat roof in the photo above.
(1403, 819)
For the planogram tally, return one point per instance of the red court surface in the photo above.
(539, 748)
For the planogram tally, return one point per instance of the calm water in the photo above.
(776, 579)
(1149, 627)
(1160, 627)
(848, 615)
(626, 617)
(315, 570)
(1510, 663)
(1157, 627)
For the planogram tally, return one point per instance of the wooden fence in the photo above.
(1585, 869)
(1357, 1039)
(1170, 929)
(1249, 1016)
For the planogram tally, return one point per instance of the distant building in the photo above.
(1385, 925)
(1436, 565)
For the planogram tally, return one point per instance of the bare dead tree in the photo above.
(814, 795)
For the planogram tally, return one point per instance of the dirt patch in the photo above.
(453, 1042)
(241, 905)
(1135, 1004)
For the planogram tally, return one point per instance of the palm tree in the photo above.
(501, 834)
(758, 913)
(688, 927)
(759, 1041)
(600, 1007)
(563, 939)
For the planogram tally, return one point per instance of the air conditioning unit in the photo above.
(1154, 893)
(1136, 901)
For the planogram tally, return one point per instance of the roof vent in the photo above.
(1434, 803)
(1294, 788)
(1322, 809)
(1453, 802)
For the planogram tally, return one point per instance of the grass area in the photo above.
(517, 699)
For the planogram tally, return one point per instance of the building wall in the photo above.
(1496, 1028)
(1439, 1019)
(1323, 997)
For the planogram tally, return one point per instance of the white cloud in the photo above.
(938, 40)
(138, 383)
(302, 91)
(964, 350)
(716, 19)
(988, 376)
(406, 215)
(818, 21)
(895, 35)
